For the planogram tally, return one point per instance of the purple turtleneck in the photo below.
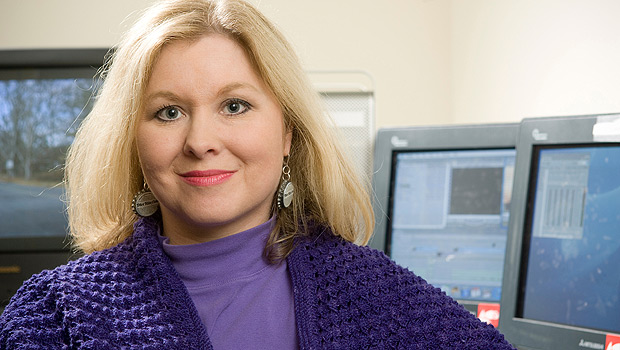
(244, 301)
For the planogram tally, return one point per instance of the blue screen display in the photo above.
(38, 119)
(449, 218)
(573, 275)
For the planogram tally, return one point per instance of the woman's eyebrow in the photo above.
(169, 95)
(236, 86)
(228, 88)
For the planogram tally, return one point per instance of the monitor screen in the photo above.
(38, 118)
(44, 94)
(449, 218)
(562, 269)
(442, 199)
(573, 241)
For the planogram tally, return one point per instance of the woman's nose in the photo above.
(201, 137)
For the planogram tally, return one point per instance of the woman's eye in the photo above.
(236, 107)
(168, 113)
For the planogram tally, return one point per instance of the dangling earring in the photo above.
(144, 202)
(286, 191)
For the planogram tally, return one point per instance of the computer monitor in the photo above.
(442, 200)
(561, 287)
(43, 96)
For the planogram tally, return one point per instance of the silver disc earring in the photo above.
(286, 190)
(144, 202)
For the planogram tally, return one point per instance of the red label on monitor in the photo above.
(489, 313)
(612, 342)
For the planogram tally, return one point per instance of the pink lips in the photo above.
(206, 177)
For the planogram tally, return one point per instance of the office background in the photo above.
(432, 61)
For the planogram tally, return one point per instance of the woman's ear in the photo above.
(288, 137)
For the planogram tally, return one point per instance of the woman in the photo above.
(217, 211)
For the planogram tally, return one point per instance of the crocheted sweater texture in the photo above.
(130, 297)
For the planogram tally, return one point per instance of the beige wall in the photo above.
(64, 23)
(525, 58)
(403, 45)
(432, 61)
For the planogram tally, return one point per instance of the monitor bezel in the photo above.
(524, 333)
(47, 64)
(390, 141)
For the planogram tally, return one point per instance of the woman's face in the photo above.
(211, 140)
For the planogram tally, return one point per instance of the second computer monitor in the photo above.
(442, 202)
(561, 280)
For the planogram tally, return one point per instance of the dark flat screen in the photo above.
(572, 273)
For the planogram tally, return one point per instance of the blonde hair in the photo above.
(103, 171)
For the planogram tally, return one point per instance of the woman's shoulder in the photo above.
(333, 257)
(39, 305)
(95, 289)
(86, 274)
(123, 267)
(341, 285)
(99, 267)
(82, 273)
(322, 244)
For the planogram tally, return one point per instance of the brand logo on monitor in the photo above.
(396, 142)
(612, 342)
(539, 136)
(489, 313)
(590, 344)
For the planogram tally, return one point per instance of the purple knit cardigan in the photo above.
(130, 296)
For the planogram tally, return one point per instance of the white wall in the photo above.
(402, 44)
(525, 58)
(65, 23)
(432, 61)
